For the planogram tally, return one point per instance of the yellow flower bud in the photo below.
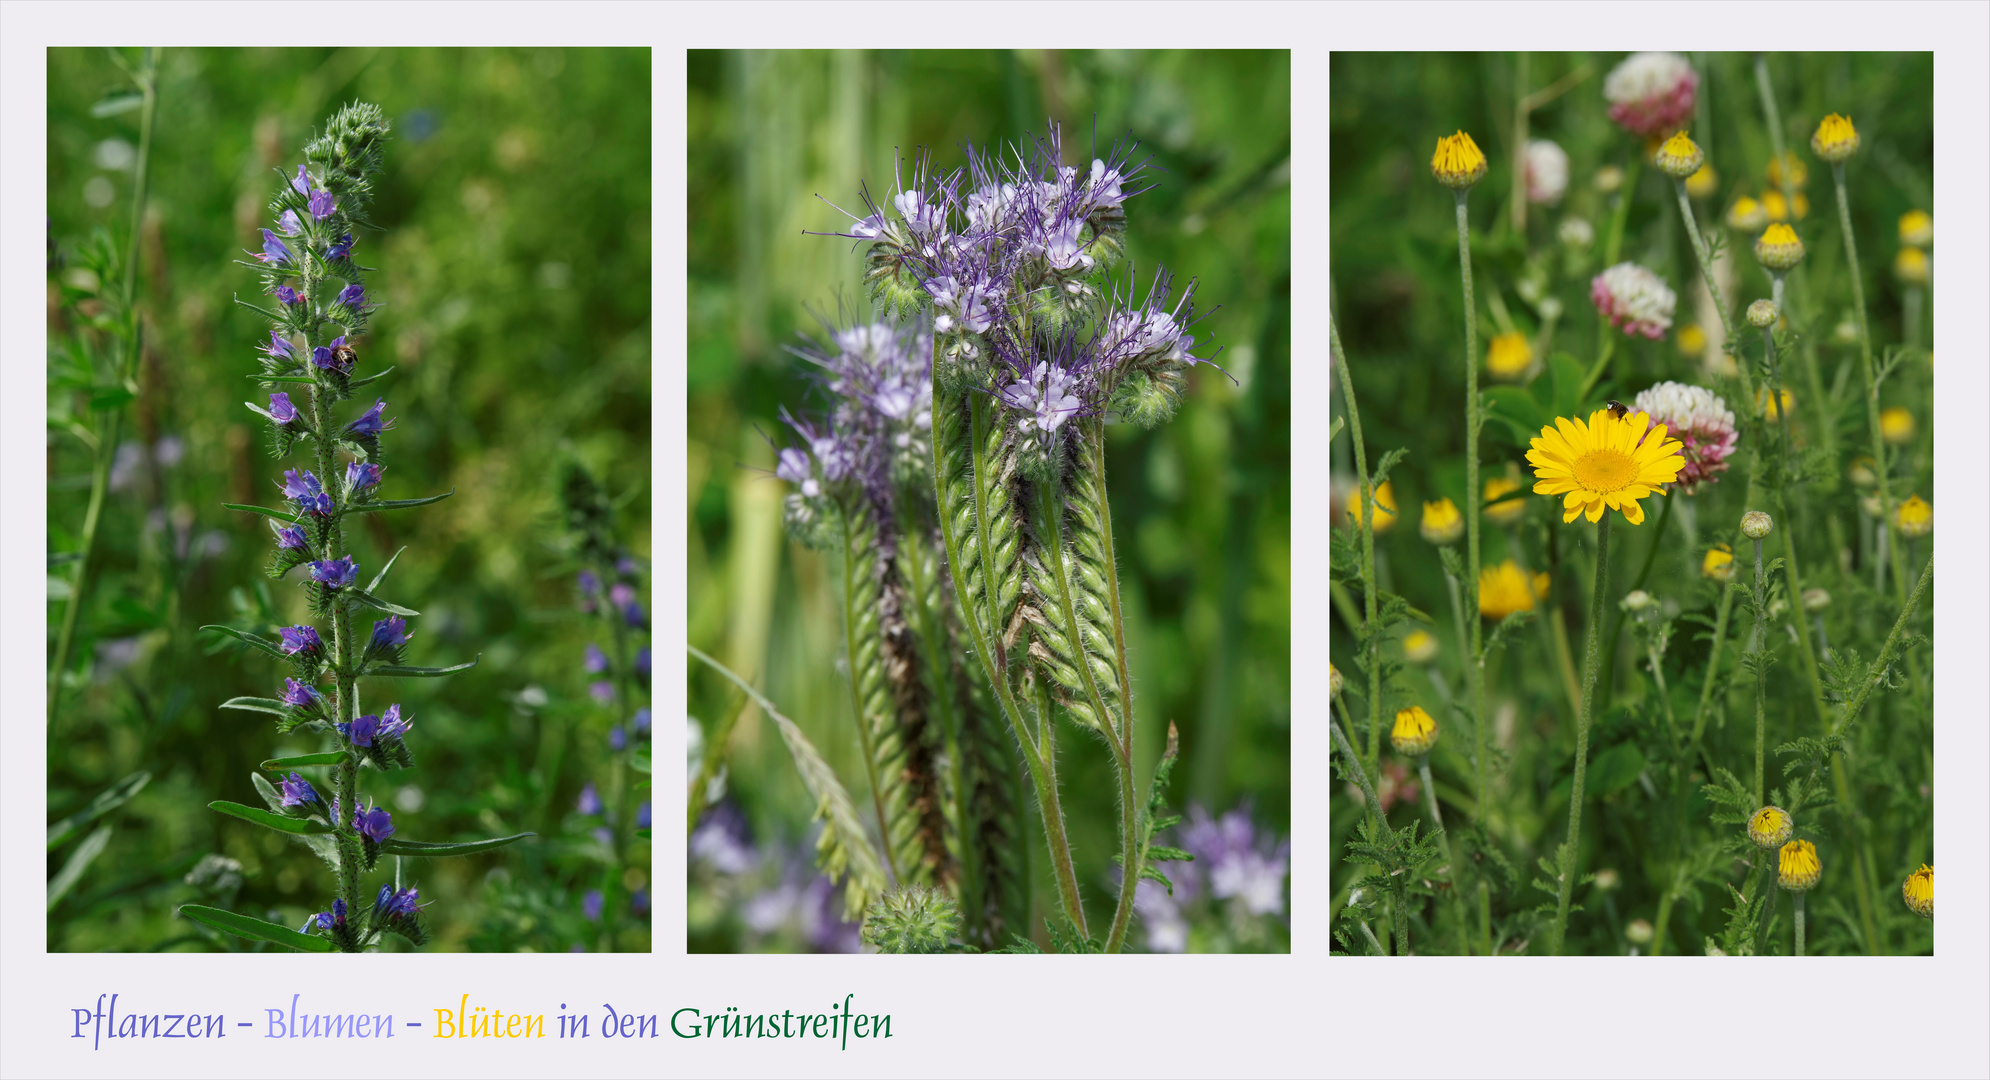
(1778, 248)
(1919, 891)
(1896, 425)
(1442, 523)
(1458, 162)
(1420, 646)
(1746, 215)
(1719, 563)
(1917, 229)
(1914, 518)
(1385, 502)
(1797, 866)
(1508, 356)
(1679, 157)
(1836, 139)
(1911, 266)
(1415, 731)
(1703, 183)
(1769, 827)
(1692, 340)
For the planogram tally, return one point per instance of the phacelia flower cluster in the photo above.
(1702, 423)
(1651, 93)
(1634, 300)
(879, 429)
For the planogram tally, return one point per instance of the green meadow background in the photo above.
(1205, 559)
(513, 276)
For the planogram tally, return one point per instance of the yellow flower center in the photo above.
(1605, 471)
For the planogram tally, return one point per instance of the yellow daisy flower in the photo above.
(1919, 891)
(1458, 162)
(1917, 228)
(1505, 589)
(1508, 356)
(1703, 183)
(1692, 340)
(1419, 646)
(1914, 518)
(1442, 523)
(1608, 463)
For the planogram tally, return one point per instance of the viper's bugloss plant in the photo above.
(958, 476)
(316, 327)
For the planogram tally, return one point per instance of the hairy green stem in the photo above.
(1368, 586)
(1880, 468)
(1755, 645)
(1474, 661)
(1592, 637)
(1797, 898)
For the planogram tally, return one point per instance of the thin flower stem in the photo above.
(110, 429)
(1437, 821)
(1592, 637)
(1766, 90)
(1756, 638)
(1368, 586)
(1053, 817)
(1706, 260)
(1798, 898)
(1789, 532)
(1644, 574)
(1880, 469)
(1351, 759)
(1474, 665)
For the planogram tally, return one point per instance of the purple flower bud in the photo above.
(391, 905)
(281, 408)
(794, 465)
(359, 477)
(278, 347)
(340, 250)
(389, 633)
(298, 791)
(375, 824)
(590, 905)
(636, 617)
(286, 295)
(642, 721)
(589, 584)
(288, 224)
(302, 695)
(621, 595)
(273, 250)
(301, 639)
(370, 422)
(334, 573)
(391, 724)
(617, 738)
(322, 205)
(291, 538)
(303, 183)
(602, 690)
(596, 662)
(353, 296)
(590, 802)
(643, 815)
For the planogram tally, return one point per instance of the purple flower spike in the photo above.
(323, 205)
(642, 721)
(273, 250)
(286, 295)
(298, 791)
(391, 724)
(301, 639)
(642, 815)
(590, 803)
(291, 538)
(353, 296)
(278, 347)
(590, 905)
(335, 573)
(303, 183)
(639, 904)
(370, 423)
(602, 690)
(288, 224)
(374, 824)
(302, 695)
(359, 477)
(281, 408)
(389, 633)
(596, 661)
(617, 738)
(340, 250)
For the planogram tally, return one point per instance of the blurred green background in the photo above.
(1205, 556)
(1397, 301)
(513, 277)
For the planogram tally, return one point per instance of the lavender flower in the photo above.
(590, 905)
(288, 223)
(636, 617)
(333, 357)
(302, 184)
(286, 295)
(388, 633)
(301, 484)
(301, 695)
(273, 252)
(601, 690)
(621, 595)
(392, 726)
(595, 661)
(335, 573)
(722, 842)
(291, 538)
(643, 815)
(641, 721)
(370, 423)
(373, 823)
(1045, 397)
(301, 639)
(280, 408)
(797, 468)
(333, 919)
(642, 665)
(590, 801)
(391, 904)
(361, 477)
(341, 249)
(297, 791)
(617, 739)
(353, 296)
(639, 904)
(588, 582)
(322, 205)
(278, 348)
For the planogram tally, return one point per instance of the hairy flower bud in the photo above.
(1756, 525)
(1762, 314)
(912, 919)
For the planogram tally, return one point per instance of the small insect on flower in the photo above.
(1415, 731)
(1617, 408)
(1919, 891)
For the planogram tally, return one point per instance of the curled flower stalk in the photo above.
(321, 316)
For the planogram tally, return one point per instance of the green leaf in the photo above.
(330, 757)
(305, 379)
(117, 104)
(291, 825)
(109, 799)
(1568, 375)
(79, 861)
(360, 596)
(1517, 408)
(280, 515)
(396, 846)
(106, 398)
(1157, 853)
(1615, 768)
(640, 761)
(375, 377)
(396, 504)
(397, 671)
(382, 575)
(248, 926)
(257, 704)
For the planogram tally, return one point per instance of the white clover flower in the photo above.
(1651, 93)
(1634, 299)
(1547, 171)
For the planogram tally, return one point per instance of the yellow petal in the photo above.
(1634, 512)
(1595, 511)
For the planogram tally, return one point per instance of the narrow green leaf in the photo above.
(248, 926)
(396, 846)
(104, 399)
(330, 757)
(280, 515)
(109, 799)
(396, 504)
(246, 638)
(305, 379)
(116, 104)
(257, 704)
(382, 575)
(375, 377)
(291, 825)
(79, 861)
(1157, 853)
(360, 596)
(396, 671)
